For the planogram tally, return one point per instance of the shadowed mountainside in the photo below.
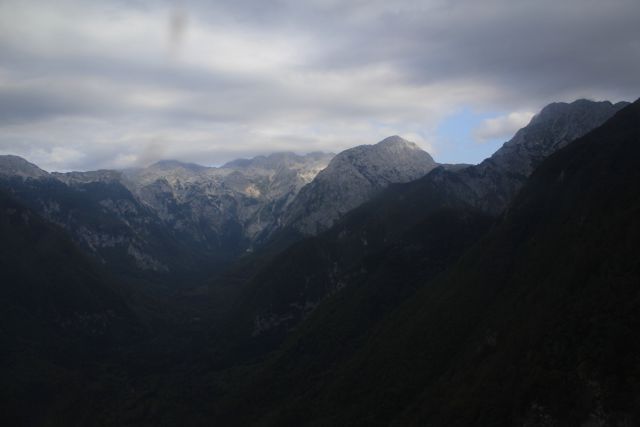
(535, 325)
(276, 293)
(58, 311)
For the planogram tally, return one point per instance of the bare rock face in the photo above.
(352, 178)
(238, 201)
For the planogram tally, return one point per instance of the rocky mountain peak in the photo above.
(392, 160)
(579, 107)
(352, 177)
(396, 141)
(492, 184)
(17, 166)
(555, 126)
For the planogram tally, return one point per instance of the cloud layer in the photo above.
(118, 83)
(501, 127)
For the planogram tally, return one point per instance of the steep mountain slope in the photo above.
(535, 325)
(353, 177)
(57, 311)
(284, 290)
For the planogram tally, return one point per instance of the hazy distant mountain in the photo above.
(278, 160)
(353, 177)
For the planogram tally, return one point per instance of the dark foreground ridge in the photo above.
(536, 324)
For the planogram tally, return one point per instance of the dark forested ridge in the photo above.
(429, 304)
(406, 219)
(535, 325)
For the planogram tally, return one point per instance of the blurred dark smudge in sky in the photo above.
(178, 23)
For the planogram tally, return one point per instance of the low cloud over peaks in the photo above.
(502, 127)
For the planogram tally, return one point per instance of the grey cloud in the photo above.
(537, 49)
(501, 128)
(181, 85)
(533, 50)
(20, 104)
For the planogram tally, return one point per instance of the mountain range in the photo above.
(371, 287)
(172, 217)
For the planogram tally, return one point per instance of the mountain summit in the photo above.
(17, 166)
(491, 185)
(352, 178)
(554, 127)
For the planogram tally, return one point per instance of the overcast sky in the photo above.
(87, 85)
